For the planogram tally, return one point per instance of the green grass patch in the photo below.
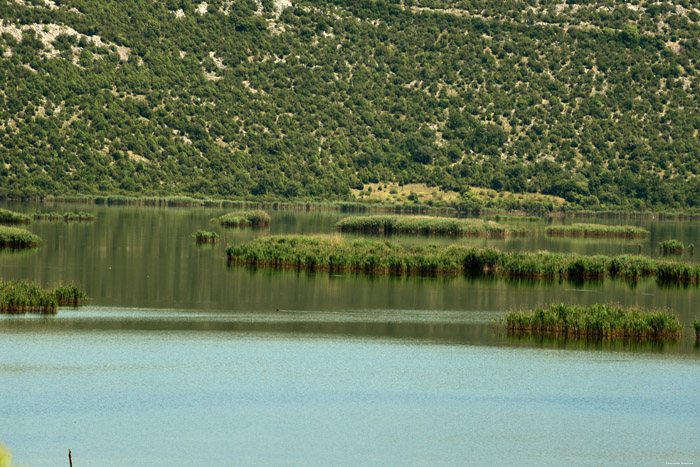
(14, 237)
(596, 230)
(331, 252)
(202, 236)
(671, 247)
(426, 225)
(257, 218)
(11, 217)
(596, 321)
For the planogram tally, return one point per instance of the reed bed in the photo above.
(671, 247)
(344, 206)
(202, 236)
(257, 218)
(14, 237)
(596, 321)
(78, 216)
(47, 216)
(69, 295)
(507, 218)
(66, 216)
(11, 217)
(596, 230)
(329, 252)
(25, 297)
(426, 225)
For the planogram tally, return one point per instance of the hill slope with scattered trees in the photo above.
(592, 101)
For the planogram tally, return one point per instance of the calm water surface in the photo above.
(182, 360)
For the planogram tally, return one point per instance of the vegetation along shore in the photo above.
(596, 230)
(328, 252)
(596, 321)
(426, 225)
(26, 297)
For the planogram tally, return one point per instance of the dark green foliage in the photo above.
(671, 247)
(10, 217)
(202, 236)
(24, 297)
(335, 253)
(256, 218)
(13, 237)
(696, 328)
(426, 225)
(596, 230)
(596, 321)
(594, 104)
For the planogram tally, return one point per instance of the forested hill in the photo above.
(593, 101)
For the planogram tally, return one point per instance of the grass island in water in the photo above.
(66, 216)
(671, 247)
(600, 321)
(25, 297)
(257, 218)
(202, 236)
(332, 252)
(426, 225)
(516, 218)
(596, 230)
(11, 217)
(14, 237)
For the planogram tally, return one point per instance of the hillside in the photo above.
(592, 101)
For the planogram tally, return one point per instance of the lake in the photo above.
(180, 359)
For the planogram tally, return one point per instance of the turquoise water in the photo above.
(149, 395)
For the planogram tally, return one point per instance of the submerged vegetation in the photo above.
(13, 237)
(66, 216)
(11, 217)
(26, 297)
(671, 247)
(596, 230)
(203, 236)
(338, 254)
(426, 225)
(256, 218)
(596, 321)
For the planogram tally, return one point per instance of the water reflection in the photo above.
(138, 257)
